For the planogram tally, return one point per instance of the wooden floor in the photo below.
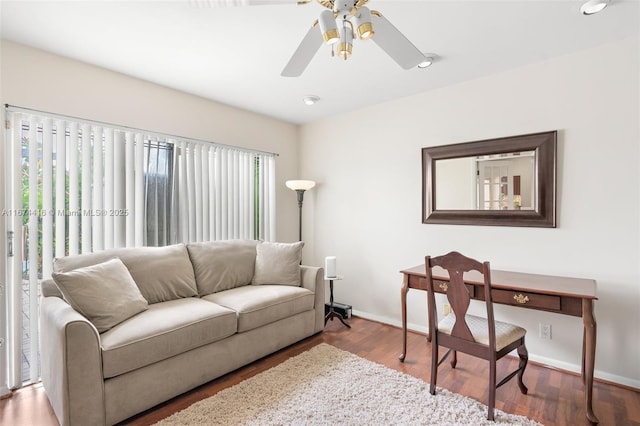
(555, 397)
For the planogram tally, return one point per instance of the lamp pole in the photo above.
(300, 186)
(300, 193)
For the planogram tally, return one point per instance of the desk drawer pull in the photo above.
(443, 286)
(520, 298)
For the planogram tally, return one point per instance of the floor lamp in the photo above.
(300, 186)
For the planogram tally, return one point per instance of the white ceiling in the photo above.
(235, 55)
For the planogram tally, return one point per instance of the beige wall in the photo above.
(366, 209)
(39, 80)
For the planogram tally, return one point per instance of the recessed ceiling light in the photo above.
(593, 6)
(429, 58)
(310, 99)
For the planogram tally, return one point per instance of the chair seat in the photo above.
(505, 333)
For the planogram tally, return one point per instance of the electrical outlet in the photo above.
(544, 331)
(446, 309)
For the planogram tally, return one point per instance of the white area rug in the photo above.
(328, 386)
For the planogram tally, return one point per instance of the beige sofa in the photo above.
(159, 321)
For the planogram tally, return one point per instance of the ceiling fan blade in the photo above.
(394, 43)
(304, 53)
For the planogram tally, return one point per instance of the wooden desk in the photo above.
(562, 295)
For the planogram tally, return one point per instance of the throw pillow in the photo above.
(104, 293)
(278, 263)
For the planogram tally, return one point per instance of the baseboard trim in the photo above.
(599, 375)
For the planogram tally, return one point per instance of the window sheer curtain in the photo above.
(75, 186)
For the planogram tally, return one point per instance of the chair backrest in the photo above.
(458, 295)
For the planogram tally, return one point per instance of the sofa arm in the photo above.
(71, 364)
(313, 279)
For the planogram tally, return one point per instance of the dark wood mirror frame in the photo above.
(544, 214)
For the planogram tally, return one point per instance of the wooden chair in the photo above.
(459, 331)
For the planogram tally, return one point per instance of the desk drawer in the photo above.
(530, 300)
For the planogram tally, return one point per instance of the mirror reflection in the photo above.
(504, 181)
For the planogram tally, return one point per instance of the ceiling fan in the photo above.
(338, 26)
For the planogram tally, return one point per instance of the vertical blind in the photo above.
(76, 187)
(219, 192)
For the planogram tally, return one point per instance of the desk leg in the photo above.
(428, 321)
(403, 304)
(588, 356)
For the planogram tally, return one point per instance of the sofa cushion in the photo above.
(104, 293)
(164, 330)
(161, 273)
(278, 263)
(221, 265)
(260, 305)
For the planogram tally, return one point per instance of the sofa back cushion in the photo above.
(221, 265)
(161, 273)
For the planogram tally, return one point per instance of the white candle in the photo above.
(330, 266)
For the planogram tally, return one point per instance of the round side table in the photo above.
(332, 313)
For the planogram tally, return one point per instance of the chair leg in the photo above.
(492, 389)
(434, 364)
(524, 358)
(454, 359)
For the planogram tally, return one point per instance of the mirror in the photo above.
(505, 182)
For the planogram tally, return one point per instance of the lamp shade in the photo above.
(328, 27)
(363, 22)
(300, 185)
(346, 41)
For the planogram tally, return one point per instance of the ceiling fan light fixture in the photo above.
(328, 27)
(593, 6)
(345, 47)
(344, 50)
(364, 24)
